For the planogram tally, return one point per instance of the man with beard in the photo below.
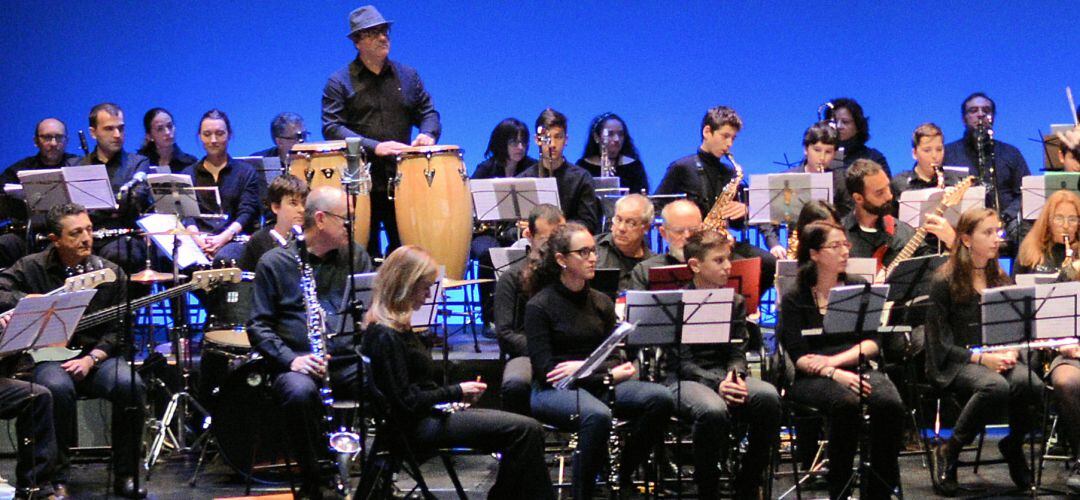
(681, 218)
(871, 228)
(1003, 188)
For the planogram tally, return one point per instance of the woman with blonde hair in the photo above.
(994, 381)
(1043, 249)
(402, 369)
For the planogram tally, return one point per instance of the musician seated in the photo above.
(854, 131)
(625, 247)
(1043, 250)
(32, 408)
(996, 383)
(713, 386)
(286, 196)
(928, 150)
(1065, 378)
(819, 149)
(703, 177)
(404, 372)
(50, 137)
(565, 321)
(238, 187)
(278, 327)
(577, 198)
(509, 305)
(621, 152)
(827, 366)
(107, 127)
(96, 368)
(507, 153)
(159, 146)
(681, 218)
(286, 129)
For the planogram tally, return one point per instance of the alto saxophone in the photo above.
(714, 220)
(793, 244)
(341, 441)
(607, 167)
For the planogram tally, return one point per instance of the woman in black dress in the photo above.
(609, 132)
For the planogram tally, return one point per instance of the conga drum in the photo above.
(433, 204)
(322, 164)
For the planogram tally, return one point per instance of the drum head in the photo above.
(235, 338)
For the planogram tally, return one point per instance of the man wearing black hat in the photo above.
(379, 101)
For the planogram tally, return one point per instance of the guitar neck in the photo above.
(111, 313)
(913, 243)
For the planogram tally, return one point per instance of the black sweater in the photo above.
(562, 325)
(799, 312)
(402, 369)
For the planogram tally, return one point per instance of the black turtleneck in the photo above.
(563, 325)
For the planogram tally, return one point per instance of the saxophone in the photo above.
(607, 168)
(714, 220)
(793, 244)
(341, 441)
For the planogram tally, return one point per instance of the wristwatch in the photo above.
(95, 358)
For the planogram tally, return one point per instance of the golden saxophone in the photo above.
(793, 244)
(714, 220)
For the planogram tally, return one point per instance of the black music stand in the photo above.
(856, 311)
(597, 357)
(88, 186)
(1023, 315)
(909, 283)
(502, 259)
(511, 198)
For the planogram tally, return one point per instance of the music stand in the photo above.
(502, 259)
(42, 321)
(597, 357)
(87, 185)
(268, 167)
(1035, 189)
(909, 281)
(181, 248)
(671, 277)
(745, 278)
(511, 198)
(778, 198)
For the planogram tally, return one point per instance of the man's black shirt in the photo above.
(121, 168)
(15, 209)
(577, 197)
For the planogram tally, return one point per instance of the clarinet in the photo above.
(615, 445)
(607, 169)
(543, 169)
(341, 441)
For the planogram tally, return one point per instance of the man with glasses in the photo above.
(1003, 187)
(681, 218)
(577, 197)
(378, 101)
(286, 129)
(624, 247)
(50, 137)
(277, 327)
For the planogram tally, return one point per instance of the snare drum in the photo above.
(433, 204)
(322, 164)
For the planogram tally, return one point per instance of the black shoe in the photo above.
(944, 466)
(125, 488)
(1013, 451)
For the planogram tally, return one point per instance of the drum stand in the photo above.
(181, 402)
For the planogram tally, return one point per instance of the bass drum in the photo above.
(433, 204)
(322, 164)
(246, 424)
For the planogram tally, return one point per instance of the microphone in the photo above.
(136, 179)
(82, 143)
(352, 159)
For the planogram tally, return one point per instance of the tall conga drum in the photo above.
(433, 204)
(322, 164)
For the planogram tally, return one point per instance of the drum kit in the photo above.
(433, 206)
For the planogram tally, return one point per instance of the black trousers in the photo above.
(841, 406)
(382, 212)
(110, 380)
(990, 393)
(522, 473)
(32, 407)
(298, 398)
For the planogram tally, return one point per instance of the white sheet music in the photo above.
(707, 316)
(89, 186)
(1034, 190)
(188, 253)
(776, 198)
(39, 321)
(502, 259)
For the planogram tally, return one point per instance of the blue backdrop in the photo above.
(658, 64)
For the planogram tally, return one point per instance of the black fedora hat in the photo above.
(363, 18)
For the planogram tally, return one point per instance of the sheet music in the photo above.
(1035, 189)
(189, 252)
(707, 316)
(502, 259)
(43, 189)
(777, 198)
(90, 187)
(39, 321)
(425, 316)
(1056, 314)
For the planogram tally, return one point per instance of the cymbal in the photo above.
(152, 276)
(450, 283)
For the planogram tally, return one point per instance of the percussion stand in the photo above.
(178, 409)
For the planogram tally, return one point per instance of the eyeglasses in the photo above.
(53, 138)
(975, 109)
(836, 245)
(376, 31)
(630, 223)
(584, 252)
(336, 216)
(1062, 220)
(302, 135)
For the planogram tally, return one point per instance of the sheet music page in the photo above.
(707, 316)
(1056, 314)
(89, 186)
(189, 252)
(53, 317)
(502, 259)
(43, 189)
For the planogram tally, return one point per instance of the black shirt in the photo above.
(272, 152)
(951, 326)
(639, 276)
(377, 107)
(277, 328)
(510, 300)
(238, 186)
(179, 161)
(261, 241)
(854, 150)
(864, 244)
(491, 169)
(577, 197)
(708, 364)
(122, 167)
(608, 256)
(632, 175)
(1051, 263)
(1009, 163)
(402, 368)
(43, 272)
(563, 325)
(13, 208)
(909, 180)
(799, 312)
